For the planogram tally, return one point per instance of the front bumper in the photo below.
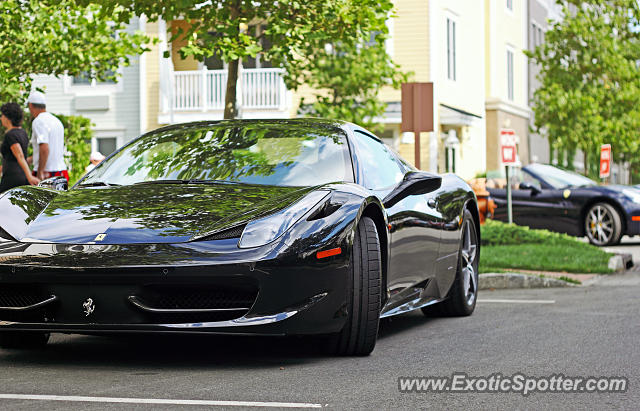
(295, 294)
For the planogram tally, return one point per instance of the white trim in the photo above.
(388, 44)
(142, 89)
(492, 44)
(508, 107)
(157, 401)
(434, 74)
(525, 59)
(92, 89)
(185, 117)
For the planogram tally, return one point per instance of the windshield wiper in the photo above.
(192, 181)
(98, 184)
(162, 182)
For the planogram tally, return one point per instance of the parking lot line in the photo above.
(74, 398)
(517, 301)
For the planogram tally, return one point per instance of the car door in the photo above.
(524, 205)
(543, 206)
(414, 223)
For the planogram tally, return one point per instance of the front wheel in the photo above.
(359, 334)
(463, 294)
(603, 225)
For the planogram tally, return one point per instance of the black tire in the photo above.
(603, 225)
(360, 332)
(461, 301)
(23, 339)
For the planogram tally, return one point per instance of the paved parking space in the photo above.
(575, 331)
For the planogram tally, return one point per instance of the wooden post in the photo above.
(417, 112)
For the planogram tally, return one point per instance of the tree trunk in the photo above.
(230, 107)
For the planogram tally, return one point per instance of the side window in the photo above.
(528, 178)
(381, 170)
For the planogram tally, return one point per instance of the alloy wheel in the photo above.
(600, 225)
(469, 253)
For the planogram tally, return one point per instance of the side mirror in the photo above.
(529, 186)
(413, 183)
(55, 183)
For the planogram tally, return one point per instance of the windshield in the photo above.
(558, 178)
(285, 154)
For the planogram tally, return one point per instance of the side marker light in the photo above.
(328, 253)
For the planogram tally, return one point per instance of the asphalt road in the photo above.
(586, 331)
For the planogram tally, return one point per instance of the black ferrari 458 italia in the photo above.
(270, 227)
(558, 200)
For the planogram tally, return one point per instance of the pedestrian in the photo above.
(15, 170)
(94, 159)
(47, 139)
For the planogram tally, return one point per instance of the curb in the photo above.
(620, 262)
(513, 280)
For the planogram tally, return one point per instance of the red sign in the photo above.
(509, 154)
(605, 160)
(508, 147)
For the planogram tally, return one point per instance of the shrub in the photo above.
(499, 233)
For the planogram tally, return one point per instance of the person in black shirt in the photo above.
(15, 170)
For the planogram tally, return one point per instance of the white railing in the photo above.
(203, 90)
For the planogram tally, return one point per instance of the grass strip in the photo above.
(571, 259)
(509, 246)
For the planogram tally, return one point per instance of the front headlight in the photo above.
(265, 230)
(632, 195)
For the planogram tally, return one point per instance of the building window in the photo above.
(537, 34)
(451, 49)
(510, 74)
(106, 145)
(510, 5)
(88, 79)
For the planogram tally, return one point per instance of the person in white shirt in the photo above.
(47, 139)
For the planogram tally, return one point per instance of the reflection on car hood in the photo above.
(156, 213)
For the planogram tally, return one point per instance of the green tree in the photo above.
(590, 92)
(347, 78)
(293, 28)
(45, 37)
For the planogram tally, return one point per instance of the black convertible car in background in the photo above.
(557, 200)
(271, 227)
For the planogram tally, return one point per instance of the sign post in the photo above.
(417, 112)
(605, 161)
(509, 152)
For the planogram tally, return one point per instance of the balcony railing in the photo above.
(203, 90)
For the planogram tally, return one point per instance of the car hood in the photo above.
(146, 213)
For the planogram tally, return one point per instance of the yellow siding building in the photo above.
(470, 49)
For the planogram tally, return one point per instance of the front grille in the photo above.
(238, 300)
(22, 296)
(19, 297)
(193, 298)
